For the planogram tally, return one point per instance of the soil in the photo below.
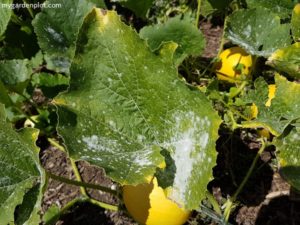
(266, 200)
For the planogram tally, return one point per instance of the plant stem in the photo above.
(234, 111)
(56, 144)
(82, 184)
(234, 123)
(231, 200)
(29, 9)
(102, 204)
(198, 13)
(240, 89)
(223, 37)
(78, 181)
(56, 216)
(214, 203)
(75, 201)
(73, 165)
(78, 176)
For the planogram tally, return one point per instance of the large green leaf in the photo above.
(5, 14)
(284, 109)
(281, 7)
(140, 8)
(258, 31)
(19, 171)
(288, 148)
(287, 60)
(57, 31)
(190, 40)
(126, 103)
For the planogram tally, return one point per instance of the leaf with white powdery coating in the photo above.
(287, 60)
(258, 31)
(126, 103)
(19, 171)
(57, 30)
(282, 8)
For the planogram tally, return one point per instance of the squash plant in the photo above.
(119, 102)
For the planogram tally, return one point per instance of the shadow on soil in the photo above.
(235, 154)
(280, 210)
(86, 214)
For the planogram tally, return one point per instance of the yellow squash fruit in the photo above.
(297, 9)
(235, 64)
(148, 204)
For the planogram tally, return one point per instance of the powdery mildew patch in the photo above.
(189, 142)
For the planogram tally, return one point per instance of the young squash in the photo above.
(234, 65)
(148, 204)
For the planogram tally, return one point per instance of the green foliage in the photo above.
(5, 15)
(287, 60)
(140, 8)
(281, 7)
(20, 171)
(4, 97)
(190, 40)
(50, 84)
(119, 101)
(284, 109)
(15, 74)
(120, 114)
(98, 3)
(209, 7)
(295, 23)
(288, 149)
(258, 31)
(57, 31)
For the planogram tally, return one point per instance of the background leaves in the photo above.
(284, 109)
(57, 31)
(190, 40)
(258, 31)
(288, 148)
(283, 8)
(5, 14)
(287, 60)
(140, 8)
